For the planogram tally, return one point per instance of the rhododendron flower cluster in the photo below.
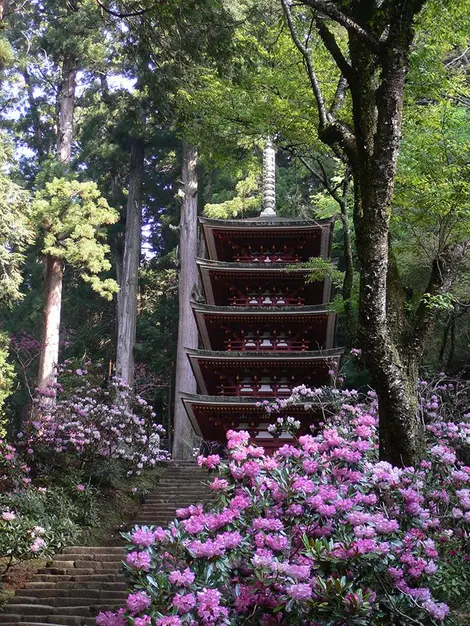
(321, 533)
(14, 473)
(95, 422)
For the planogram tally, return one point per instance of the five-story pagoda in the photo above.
(263, 329)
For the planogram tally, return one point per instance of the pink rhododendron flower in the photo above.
(139, 560)
(184, 578)
(108, 618)
(184, 602)
(143, 537)
(211, 461)
(38, 545)
(138, 602)
(300, 591)
(169, 621)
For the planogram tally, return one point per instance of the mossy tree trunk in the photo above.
(379, 37)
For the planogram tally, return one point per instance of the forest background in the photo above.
(103, 106)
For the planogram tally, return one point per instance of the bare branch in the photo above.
(322, 111)
(330, 10)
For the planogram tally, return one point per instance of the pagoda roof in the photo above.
(260, 311)
(274, 221)
(206, 313)
(205, 362)
(216, 231)
(223, 355)
(234, 266)
(212, 416)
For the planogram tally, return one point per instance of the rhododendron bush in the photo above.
(321, 533)
(94, 422)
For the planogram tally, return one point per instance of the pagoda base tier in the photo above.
(212, 416)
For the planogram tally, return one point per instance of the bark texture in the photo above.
(66, 109)
(127, 300)
(49, 356)
(184, 436)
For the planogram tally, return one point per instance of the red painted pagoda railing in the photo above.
(265, 345)
(264, 300)
(267, 258)
(257, 390)
(266, 254)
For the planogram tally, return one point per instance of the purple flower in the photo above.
(184, 579)
(143, 537)
(300, 591)
(138, 602)
(139, 560)
(184, 602)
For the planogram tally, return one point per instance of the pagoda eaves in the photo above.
(310, 237)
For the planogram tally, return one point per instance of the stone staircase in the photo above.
(82, 581)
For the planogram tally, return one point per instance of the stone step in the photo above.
(38, 594)
(115, 585)
(79, 564)
(69, 620)
(74, 557)
(21, 623)
(80, 571)
(86, 598)
(22, 609)
(100, 550)
(38, 610)
(76, 577)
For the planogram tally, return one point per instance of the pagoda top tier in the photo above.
(269, 239)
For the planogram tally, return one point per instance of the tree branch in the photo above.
(330, 10)
(322, 111)
(331, 45)
(124, 15)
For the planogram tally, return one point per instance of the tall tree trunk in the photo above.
(49, 356)
(184, 435)
(66, 109)
(127, 301)
(377, 122)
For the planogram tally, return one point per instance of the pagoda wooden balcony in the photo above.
(263, 300)
(256, 390)
(266, 345)
(267, 258)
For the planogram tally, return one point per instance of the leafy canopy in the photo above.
(70, 216)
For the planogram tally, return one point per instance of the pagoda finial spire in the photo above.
(269, 179)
